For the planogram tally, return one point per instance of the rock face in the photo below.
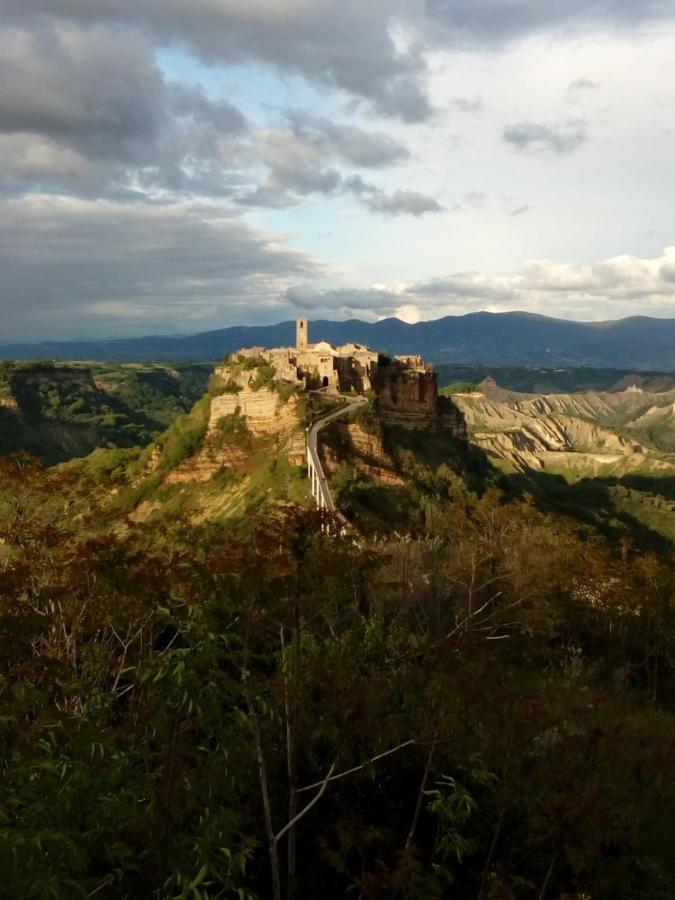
(586, 432)
(264, 411)
(212, 457)
(265, 415)
(408, 399)
(366, 451)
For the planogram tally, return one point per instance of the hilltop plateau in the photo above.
(243, 443)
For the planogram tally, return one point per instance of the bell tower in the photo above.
(301, 333)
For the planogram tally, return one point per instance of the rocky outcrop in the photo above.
(587, 432)
(408, 399)
(365, 450)
(265, 415)
(264, 411)
(213, 456)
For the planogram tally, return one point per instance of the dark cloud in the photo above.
(298, 162)
(538, 137)
(190, 103)
(347, 45)
(73, 267)
(88, 111)
(97, 92)
(402, 203)
(468, 105)
(486, 22)
(351, 145)
(463, 285)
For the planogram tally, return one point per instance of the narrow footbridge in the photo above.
(320, 489)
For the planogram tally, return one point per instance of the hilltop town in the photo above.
(405, 386)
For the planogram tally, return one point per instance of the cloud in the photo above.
(301, 160)
(348, 143)
(88, 111)
(470, 285)
(75, 267)
(468, 105)
(402, 203)
(537, 137)
(495, 22)
(349, 46)
(341, 300)
(607, 289)
(580, 86)
(515, 207)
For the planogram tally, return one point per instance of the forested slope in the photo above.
(61, 411)
(208, 691)
(481, 708)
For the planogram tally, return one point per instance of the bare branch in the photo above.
(358, 768)
(306, 809)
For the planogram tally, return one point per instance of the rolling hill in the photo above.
(512, 338)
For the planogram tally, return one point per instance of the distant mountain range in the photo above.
(511, 338)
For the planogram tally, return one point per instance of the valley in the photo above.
(62, 410)
(481, 633)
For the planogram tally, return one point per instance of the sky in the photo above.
(176, 166)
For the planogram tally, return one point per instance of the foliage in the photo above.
(234, 430)
(286, 389)
(264, 377)
(68, 410)
(218, 386)
(248, 363)
(458, 387)
(480, 703)
(186, 435)
(368, 419)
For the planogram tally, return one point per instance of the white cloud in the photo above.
(611, 288)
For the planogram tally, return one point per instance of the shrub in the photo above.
(286, 389)
(234, 430)
(218, 386)
(186, 434)
(367, 418)
(247, 363)
(264, 377)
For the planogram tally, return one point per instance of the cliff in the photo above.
(592, 432)
(264, 411)
(405, 398)
(240, 425)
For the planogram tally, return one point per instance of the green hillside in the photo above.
(60, 411)
(206, 683)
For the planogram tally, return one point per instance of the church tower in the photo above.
(301, 334)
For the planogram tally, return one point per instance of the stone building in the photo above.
(319, 365)
(405, 386)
